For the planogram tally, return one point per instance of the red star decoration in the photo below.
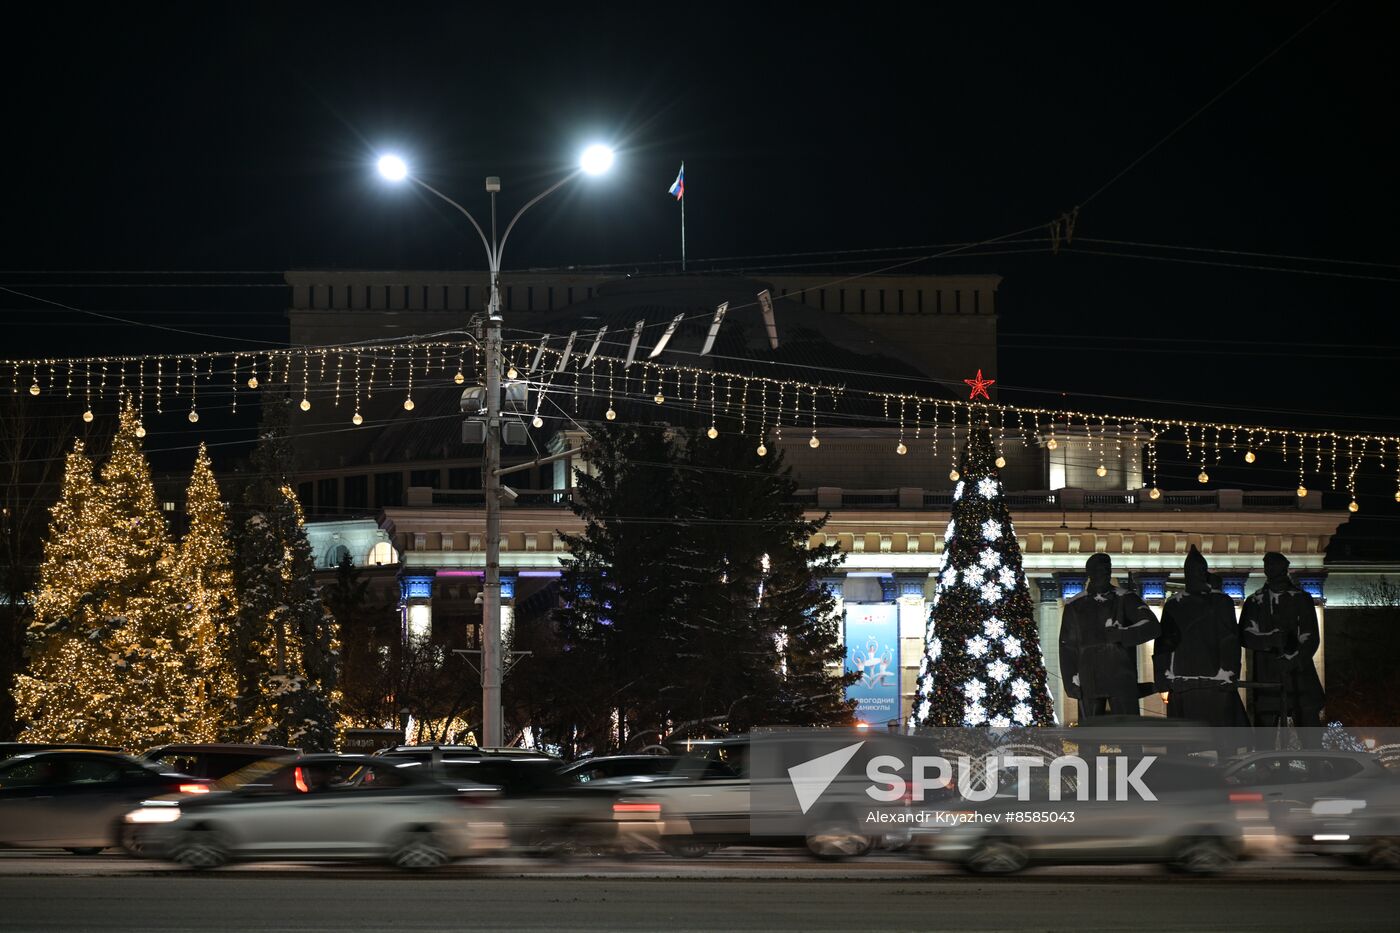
(979, 386)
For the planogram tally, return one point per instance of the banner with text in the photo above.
(872, 651)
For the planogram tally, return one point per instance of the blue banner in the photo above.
(872, 650)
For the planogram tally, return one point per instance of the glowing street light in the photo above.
(596, 159)
(392, 167)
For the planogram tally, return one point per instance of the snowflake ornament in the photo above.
(974, 689)
(991, 593)
(935, 649)
(1012, 646)
(1007, 577)
(994, 627)
(974, 714)
(977, 646)
(949, 531)
(974, 576)
(958, 491)
(1022, 714)
(991, 529)
(923, 667)
(989, 559)
(1020, 689)
(987, 487)
(1000, 722)
(999, 670)
(924, 709)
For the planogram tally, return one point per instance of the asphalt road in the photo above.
(768, 893)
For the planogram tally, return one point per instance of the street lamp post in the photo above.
(595, 160)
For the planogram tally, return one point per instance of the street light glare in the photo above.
(393, 168)
(596, 159)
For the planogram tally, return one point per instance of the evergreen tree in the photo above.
(68, 693)
(108, 655)
(283, 646)
(982, 662)
(204, 580)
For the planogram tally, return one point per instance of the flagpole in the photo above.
(682, 231)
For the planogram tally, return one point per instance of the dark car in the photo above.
(213, 761)
(615, 766)
(11, 749)
(75, 800)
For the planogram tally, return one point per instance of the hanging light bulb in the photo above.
(814, 443)
(357, 419)
(712, 433)
(305, 404)
(610, 414)
(34, 389)
(511, 373)
(252, 382)
(954, 475)
(1302, 491)
(408, 404)
(1000, 462)
(763, 452)
(1203, 477)
(87, 415)
(1155, 493)
(140, 430)
(193, 416)
(901, 449)
(1101, 470)
(659, 398)
(538, 421)
(1353, 507)
(1397, 495)
(1052, 444)
(1249, 456)
(459, 378)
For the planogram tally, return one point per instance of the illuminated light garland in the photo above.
(177, 377)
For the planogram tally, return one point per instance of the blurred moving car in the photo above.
(213, 760)
(1191, 827)
(75, 799)
(616, 766)
(1336, 803)
(707, 801)
(545, 812)
(327, 806)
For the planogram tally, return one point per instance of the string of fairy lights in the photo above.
(350, 377)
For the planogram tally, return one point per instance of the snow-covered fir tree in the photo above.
(982, 663)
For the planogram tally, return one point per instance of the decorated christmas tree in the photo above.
(982, 663)
(204, 582)
(107, 653)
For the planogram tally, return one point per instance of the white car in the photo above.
(326, 806)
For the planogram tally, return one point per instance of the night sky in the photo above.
(156, 138)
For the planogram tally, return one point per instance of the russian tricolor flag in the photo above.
(677, 189)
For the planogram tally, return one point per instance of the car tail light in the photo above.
(194, 788)
(636, 808)
(1246, 797)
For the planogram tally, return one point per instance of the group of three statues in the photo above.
(1199, 642)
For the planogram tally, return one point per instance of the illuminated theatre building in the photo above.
(403, 498)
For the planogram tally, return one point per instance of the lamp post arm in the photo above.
(490, 254)
(500, 250)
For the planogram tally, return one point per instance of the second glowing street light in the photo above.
(595, 160)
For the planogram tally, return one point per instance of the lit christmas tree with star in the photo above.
(982, 664)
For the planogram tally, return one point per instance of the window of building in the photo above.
(430, 478)
(464, 478)
(328, 495)
(381, 554)
(357, 492)
(304, 496)
(388, 489)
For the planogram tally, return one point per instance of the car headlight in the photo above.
(154, 815)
